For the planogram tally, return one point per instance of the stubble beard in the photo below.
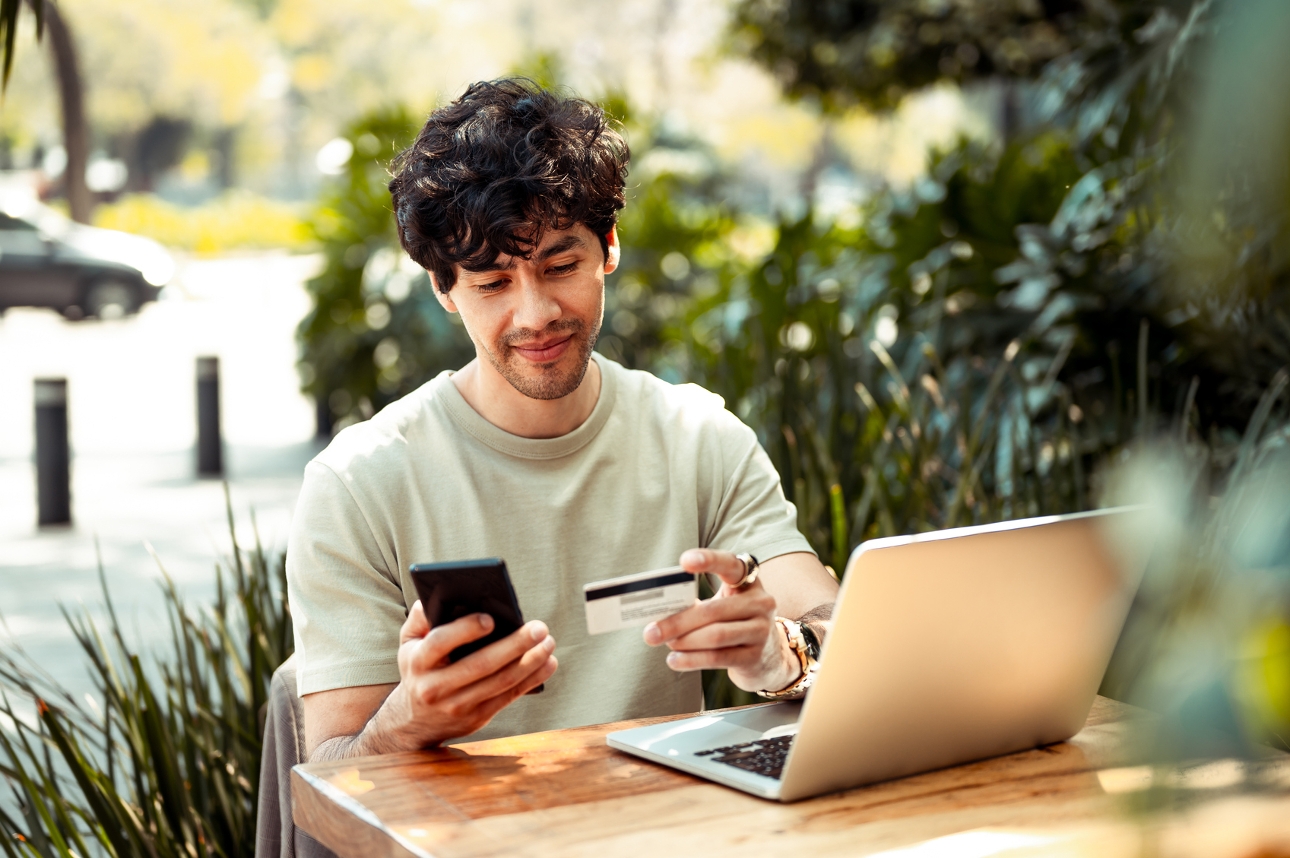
(550, 382)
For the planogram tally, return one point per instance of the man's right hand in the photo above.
(446, 700)
(435, 699)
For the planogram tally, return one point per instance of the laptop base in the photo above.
(678, 743)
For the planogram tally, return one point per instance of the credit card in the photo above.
(634, 600)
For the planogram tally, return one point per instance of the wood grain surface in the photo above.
(568, 793)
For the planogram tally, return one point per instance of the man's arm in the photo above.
(736, 629)
(335, 722)
(434, 700)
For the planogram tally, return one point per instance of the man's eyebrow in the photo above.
(495, 265)
(568, 242)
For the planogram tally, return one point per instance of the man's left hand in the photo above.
(735, 629)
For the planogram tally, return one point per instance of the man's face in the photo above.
(535, 320)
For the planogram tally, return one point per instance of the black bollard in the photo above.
(53, 459)
(210, 447)
(323, 420)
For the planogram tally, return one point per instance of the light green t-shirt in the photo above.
(656, 469)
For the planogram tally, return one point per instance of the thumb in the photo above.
(415, 626)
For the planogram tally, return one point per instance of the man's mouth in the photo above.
(544, 351)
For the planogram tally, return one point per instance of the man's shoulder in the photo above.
(384, 441)
(660, 401)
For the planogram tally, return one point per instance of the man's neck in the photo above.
(494, 399)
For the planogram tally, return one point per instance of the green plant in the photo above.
(375, 331)
(165, 759)
(1208, 643)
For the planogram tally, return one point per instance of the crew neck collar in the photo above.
(533, 448)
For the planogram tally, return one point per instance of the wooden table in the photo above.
(567, 793)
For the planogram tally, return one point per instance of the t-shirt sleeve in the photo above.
(346, 606)
(753, 515)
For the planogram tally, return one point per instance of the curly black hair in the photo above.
(490, 172)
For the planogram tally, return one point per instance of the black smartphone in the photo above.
(459, 588)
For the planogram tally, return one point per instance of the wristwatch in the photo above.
(803, 641)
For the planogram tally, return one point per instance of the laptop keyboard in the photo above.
(761, 756)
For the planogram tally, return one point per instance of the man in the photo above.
(570, 467)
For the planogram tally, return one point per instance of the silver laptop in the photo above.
(946, 647)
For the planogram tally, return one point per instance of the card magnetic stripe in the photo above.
(634, 586)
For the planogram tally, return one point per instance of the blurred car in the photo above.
(47, 260)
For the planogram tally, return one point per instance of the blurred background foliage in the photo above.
(981, 344)
(874, 52)
(1087, 305)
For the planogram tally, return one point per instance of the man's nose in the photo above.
(537, 305)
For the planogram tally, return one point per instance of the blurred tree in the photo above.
(192, 77)
(71, 99)
(875, 52)
(66, 63)
(193, 66)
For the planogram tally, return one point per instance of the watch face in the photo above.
(812, 642)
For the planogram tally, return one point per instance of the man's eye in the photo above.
(495, 286)
(567, 268)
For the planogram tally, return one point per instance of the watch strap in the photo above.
(809, 664)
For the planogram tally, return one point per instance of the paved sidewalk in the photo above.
(122, 505)
(132, 423)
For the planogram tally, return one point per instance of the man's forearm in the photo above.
(384, 733)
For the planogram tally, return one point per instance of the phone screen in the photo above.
(450, 591)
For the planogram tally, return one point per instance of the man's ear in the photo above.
(615, 252)
(445, 299)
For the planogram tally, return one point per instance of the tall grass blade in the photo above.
(838, 507)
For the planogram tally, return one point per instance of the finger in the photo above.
(740, 606)
(510, 676)
(496, 655)
(481, 713)
(713, 659)
(441, 640)
(724, 635)
(415, 626)
(548, 670)
(745, 604)
(539, 676)
(724, 564)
